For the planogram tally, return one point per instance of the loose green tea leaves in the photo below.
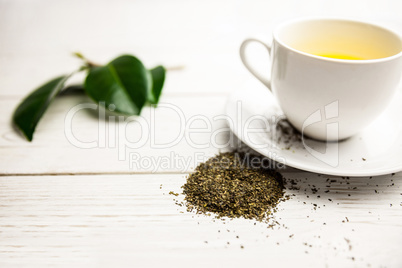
(123, 82)
(31, 109)
(230, 187)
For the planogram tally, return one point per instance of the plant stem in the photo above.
(88, 64)
(175, 68)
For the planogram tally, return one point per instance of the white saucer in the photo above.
(375, 151)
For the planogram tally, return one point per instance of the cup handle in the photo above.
(243, 57)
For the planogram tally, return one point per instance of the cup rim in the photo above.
(298, 20)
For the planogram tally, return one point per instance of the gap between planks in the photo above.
(92, 173)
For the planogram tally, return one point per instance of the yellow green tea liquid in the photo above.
(340, 56)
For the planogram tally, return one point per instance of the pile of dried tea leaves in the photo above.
(234, 185)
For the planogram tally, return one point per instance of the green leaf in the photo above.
(158, 78)
(123, 82)
(31, 109)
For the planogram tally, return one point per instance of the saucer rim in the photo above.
(334, 171)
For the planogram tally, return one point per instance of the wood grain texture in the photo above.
(112, 220)
(122, 147)
(75, 218)
(38, 37)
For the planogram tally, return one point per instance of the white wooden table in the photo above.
(62, 205)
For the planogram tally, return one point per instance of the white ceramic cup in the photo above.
(330, 98)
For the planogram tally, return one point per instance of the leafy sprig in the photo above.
(123, 82)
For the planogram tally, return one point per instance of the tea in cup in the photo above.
(331, 72)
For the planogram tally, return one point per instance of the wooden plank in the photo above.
(124, 219)
(167, 139)
(117, 220)
(39, 49)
